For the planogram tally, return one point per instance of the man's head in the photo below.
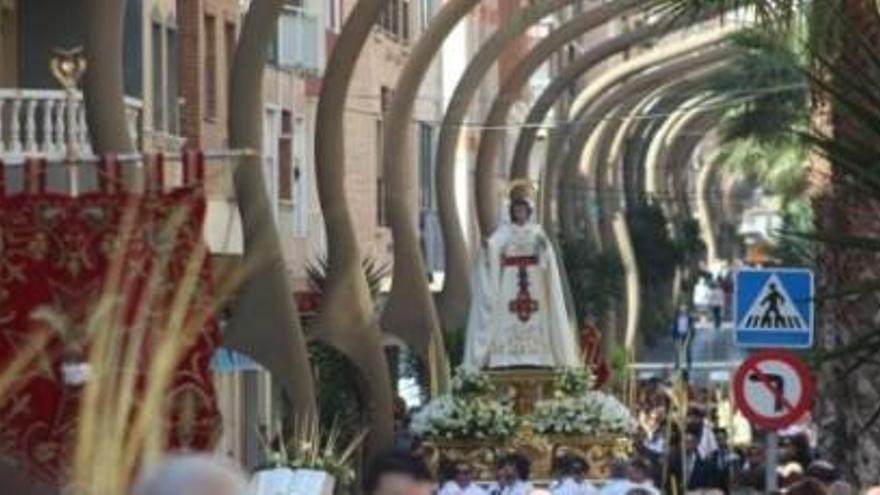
(619, 469)
(721, 437)
(463, 473)
(398, 473)
(506, 470)
(520, 211)
(639, 471)
(691, 442)
(823, 471)
(191, 475)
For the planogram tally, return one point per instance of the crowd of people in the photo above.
(627, 477)
(704, 454)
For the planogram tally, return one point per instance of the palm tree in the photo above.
(840, 39)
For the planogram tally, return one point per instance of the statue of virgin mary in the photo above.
(518, 316)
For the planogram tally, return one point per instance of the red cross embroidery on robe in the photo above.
(523, 306)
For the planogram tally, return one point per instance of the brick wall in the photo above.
(197, 124)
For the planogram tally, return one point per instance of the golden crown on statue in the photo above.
(521, 189)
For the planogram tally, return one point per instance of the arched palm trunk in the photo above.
(347, 320)
(103, 88)
(586, 123)
(490, 139)
(410, 313)
(557, 140)
(564, 80)
(265, 323)
(597, 90)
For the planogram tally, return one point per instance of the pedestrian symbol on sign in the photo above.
(773, 308)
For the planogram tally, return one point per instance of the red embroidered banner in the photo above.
(55, 256)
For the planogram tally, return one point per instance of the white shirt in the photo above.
(452, 488)
(622, 487)
(517, 488)
(647, 486)
(616, 487)
(568, 486)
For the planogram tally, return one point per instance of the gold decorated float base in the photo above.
(524, 388)
(541, 450)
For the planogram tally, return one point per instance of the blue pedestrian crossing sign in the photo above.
(774, 308)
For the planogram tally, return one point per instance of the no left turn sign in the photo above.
(773, 389)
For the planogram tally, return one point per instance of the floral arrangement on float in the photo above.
(577, 409)
(473, 411)
(470, 412)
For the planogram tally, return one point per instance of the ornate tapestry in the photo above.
(56, 255)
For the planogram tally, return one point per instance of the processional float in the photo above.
(525, 386)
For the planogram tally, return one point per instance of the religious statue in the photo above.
(518, 316)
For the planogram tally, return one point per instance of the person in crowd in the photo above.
(512, 476)
(726, 461)
(806, 486)
(841, 487)
(716, 303)
(790, 474)
(192, 474)
(698, 470)
(398, 473)
(753, 476)
(823, 471)
(682, 334)
(462, 482)
(572, 477)
(617, 483)
(796, 448)
(639, 476)
(639, 491)
(404, 438)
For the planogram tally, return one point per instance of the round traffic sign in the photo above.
(773, 389)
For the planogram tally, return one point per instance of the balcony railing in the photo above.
(45, 122)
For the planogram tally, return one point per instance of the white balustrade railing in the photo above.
(45, 122)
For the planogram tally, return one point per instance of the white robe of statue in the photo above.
(518, 315)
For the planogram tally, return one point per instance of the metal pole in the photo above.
(772, 461)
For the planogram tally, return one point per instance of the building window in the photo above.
(230, 41)
(301, 171)
(381, 213)
(158, 77)
(426, 10)
(333, 20)
(297, 43)
(172, 95)
(271, 137)
(210, 67)
(394, 19)
(285, 157)
(426, 166)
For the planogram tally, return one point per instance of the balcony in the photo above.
(43, 122)
(299, 42)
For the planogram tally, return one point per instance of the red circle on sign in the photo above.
(796, 411)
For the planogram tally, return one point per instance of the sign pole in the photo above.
(772, 461)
